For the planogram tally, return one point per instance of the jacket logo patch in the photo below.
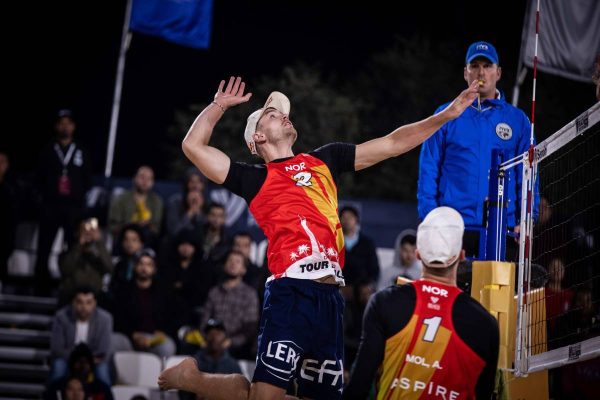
(504, 131)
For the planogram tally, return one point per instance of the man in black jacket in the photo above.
(63, 177)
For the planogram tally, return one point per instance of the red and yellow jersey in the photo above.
(427, 359)
(294, 201)
(297, 210)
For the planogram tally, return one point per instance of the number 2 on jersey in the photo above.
(303, 179)
(433, 324)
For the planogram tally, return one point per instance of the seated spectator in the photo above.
(86, 263)
(585, 315)
(187, 276)
(146, 312)
(81, 322)
(215, 357)
(255, 276)
(131, 243)
(353, 319)
(81, 365)
(72, 389)
(185, 210)
(405, 263)
(236, 304)
(213, 242)
(361, 258)
(140, 206)
(558, 302)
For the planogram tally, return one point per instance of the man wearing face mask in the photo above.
(63, 177)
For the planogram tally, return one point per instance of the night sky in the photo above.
(64, 54)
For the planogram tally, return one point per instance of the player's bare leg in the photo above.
(186, 376)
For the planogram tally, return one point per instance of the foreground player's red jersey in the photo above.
(297, 209)
(427, 359)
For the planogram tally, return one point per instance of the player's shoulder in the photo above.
(249, 166)
(331, 147)
(395, 293)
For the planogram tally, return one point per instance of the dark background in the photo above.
(64, 54)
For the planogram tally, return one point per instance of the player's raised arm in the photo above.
(212, 162)
(409, 136)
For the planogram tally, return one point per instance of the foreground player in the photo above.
(431, 340)
(294, 200)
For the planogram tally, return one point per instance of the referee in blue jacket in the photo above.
(455, 161)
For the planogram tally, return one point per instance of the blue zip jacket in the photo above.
(455, 161)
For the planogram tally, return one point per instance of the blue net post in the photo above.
(495, 248)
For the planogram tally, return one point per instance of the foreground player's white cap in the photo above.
(276, 100)
(439, 237)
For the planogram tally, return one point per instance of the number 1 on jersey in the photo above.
(433, 324)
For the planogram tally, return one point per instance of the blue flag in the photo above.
(185, 22)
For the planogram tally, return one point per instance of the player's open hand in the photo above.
(464, 100)
(233, 94)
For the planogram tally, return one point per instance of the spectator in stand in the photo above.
(236, 304)
(185, 210)
(63, 178)
(558, 302)
(255, 276)
(215, 357)
(214, 243)
(132, 243)
(187, 276)
(85, 263)
(353, 318)
(140, 206)
(361, 258)
(585, 315)
(73, 389)
(8, 214)
(81, 322)
(146, 312)
(405, 262)
(81, 365)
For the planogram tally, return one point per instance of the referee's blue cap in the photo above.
(482, 49)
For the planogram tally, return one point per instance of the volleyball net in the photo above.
(560, 324)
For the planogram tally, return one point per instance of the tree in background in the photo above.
(403, 83)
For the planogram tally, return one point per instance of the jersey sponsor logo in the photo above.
(432, 389)
(310, 267)
(435, 290)
(504, 131)
(295, 167)
(281, 358)
(329, 371)
(418, 360)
